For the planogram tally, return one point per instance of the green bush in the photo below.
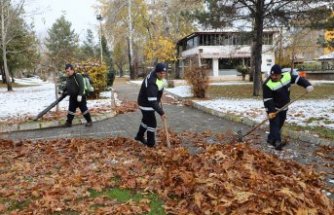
(99, 77)
(243, 70)
(97, 73)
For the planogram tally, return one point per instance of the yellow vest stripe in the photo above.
(285, 80)
(160, 84)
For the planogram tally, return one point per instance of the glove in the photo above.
(79, 98)
(271, 115)
(163, 116)
(309, 89)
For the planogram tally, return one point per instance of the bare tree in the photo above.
(8, 14)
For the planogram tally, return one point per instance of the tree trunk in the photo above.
(9, 84)
(4, 50)
(2, 72)
(130, 51)
(177, 69)
(257, 47)
(121, 73)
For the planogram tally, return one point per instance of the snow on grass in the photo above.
(181, 91)
(315, 112)
(303, 112)
(31, 100)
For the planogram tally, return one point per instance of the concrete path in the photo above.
(180, 118)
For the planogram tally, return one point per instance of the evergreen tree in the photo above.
(62, 42)
(88, 50)
(9, 13)
(23, 50)
(106, 53)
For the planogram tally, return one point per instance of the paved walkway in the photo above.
(180, 118)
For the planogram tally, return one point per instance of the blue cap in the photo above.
(160, 67)
(276, 69)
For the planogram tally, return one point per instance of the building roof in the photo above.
(220, 32)
(329, 56)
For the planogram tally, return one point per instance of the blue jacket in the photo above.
(150, 93)
(277, 94)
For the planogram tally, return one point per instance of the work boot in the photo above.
(271, 142)
(68, 124)
(279, 145)
(150, 139)
(89, 124)
(141, 139)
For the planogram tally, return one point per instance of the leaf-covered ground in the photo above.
(80, 176)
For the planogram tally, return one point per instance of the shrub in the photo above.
(98, 75)
(243, 70)
(198, 79)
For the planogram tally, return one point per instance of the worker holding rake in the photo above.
(276, 95)
(149, 102)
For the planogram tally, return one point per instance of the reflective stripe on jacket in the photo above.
(277, 94)
(150, 94)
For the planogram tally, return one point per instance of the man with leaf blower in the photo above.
(276, 94)
(75, 88)
(149, 102)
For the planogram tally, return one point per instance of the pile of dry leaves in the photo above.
(55, 176)
(125, 107)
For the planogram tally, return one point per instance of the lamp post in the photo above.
(99, 18)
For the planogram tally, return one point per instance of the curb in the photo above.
(28, 126)
(297, 135)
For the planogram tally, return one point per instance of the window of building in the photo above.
(267, 39)
(196, 41)
(236, 40)
(225, 39)
(190, 43)
(207, 62)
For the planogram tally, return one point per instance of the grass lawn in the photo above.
(2, 85)
(323, 91)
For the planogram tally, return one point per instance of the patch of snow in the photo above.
(315, 112)
(31, 100)
(29, 81)
(225, 83)
(181, 91)
(137, 82)
(304, 112)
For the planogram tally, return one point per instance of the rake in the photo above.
(239, 134)
(166, 128)
(166, 132)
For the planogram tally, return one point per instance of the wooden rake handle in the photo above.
(166, 131)
(278, 111)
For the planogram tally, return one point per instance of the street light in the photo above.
(99, 18)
